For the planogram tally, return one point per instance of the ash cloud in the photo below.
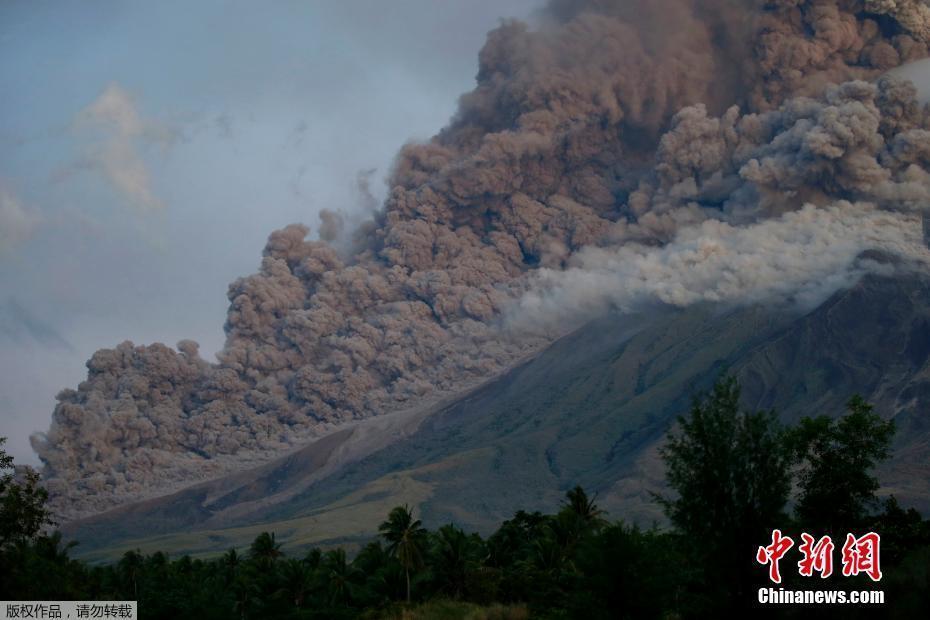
(919, 74)
(774, 206)
(616, 155)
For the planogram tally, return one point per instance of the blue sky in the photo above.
(148, 148)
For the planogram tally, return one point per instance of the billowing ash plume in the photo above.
(627, 151)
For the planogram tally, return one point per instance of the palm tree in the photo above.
(313, 558)
(455, 557)
(246, 594)
(265, 550)
(585, 509)
(129, 567)
(297, 581)
(548, 553)
(231, 559)
(406, 539)
(230, 562)
(339, 574)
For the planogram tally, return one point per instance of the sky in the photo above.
(148, 148)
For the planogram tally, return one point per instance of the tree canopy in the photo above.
(730, 473)
(23, 513)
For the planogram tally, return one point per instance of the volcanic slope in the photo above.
(591, 409)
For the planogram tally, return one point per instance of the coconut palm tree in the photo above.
(230, 563)
(296, 581)
(265, 550)
(577, 501)
(246, 594)
(339, 576)
(129, 567)
(406, 538)
(455, 556)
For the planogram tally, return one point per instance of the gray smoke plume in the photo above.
(671, 150)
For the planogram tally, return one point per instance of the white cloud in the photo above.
(123, 132)
(17, 222)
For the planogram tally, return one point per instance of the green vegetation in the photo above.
(837, 486)
(733, 476)
(22, 503)
(406, 540)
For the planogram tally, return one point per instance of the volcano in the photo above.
(591, 409)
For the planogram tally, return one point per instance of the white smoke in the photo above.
(798, 259)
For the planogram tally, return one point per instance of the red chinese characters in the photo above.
(817, 556)
(861, 555)
(773, 553)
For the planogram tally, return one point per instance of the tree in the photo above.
(231, 562)
(514, 537)
(579, 517)
(383, 575)
(627, 573)
(313, 558)
(296, 581)
(455, 556)
(406, 540)
(902, 530)
(577, 501)
(265, 550)
(339, 575)
(246, 593)
(129, 568)
(731, 472)
(837, 488)
(22, 502)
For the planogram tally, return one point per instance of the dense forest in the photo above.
(733, 477)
